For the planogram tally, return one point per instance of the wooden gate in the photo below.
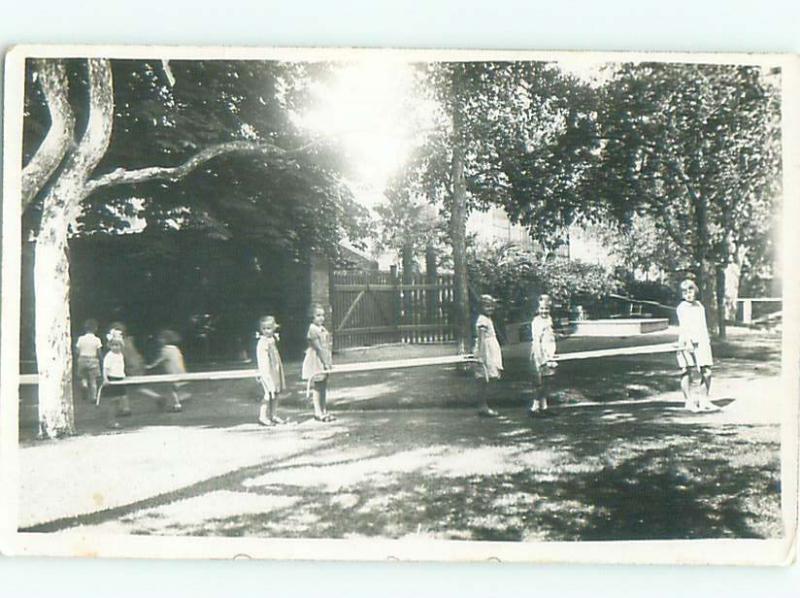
(372, 307)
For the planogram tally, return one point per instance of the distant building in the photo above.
(494, 225)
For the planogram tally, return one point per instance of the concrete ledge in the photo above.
(618, 327)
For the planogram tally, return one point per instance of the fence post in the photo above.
(747, 311)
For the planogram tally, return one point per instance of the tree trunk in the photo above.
(733, 276)
(720, 298)
(53, 329)
(51, 268)
(52, 78)
(458, 226)
(407, 278)
(432, 303)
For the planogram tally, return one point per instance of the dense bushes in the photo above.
(516, 277)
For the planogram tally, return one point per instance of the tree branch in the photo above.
(120, 176)
(52, 77)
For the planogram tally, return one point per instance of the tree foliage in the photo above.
(165, 114)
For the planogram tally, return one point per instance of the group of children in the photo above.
(121, 359)
(694, 352)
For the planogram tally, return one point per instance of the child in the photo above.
(170, 359)
(114, 369)
(270, 369)
(694, 347)
(134, 363)
(487, 351)
(317, 364)
(542, 357)
(88, 347)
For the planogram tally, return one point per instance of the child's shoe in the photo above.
(707, 406)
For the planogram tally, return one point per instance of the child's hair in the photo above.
(90, 325)
(119, 326)
(312, 311)
(115, 337)
(544, 299)
(688, 283)
(270, 319)
(169, 337)
(487, 300)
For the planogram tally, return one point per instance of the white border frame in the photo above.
(726, 552)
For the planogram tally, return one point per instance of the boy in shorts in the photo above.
(88, 348)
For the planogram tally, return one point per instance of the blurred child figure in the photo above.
(542, 357)
(170, 359)
(270, 371)
(487, 351)
(317, 363)
(694, 348)
(134, 362)
(114, 369)
(88, 348)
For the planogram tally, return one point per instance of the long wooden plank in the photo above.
(375, 365)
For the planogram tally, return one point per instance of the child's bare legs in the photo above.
(316, 399)
(539, 403)
(112, 410)
(705, 379)
(323, 400)
(320, 398)
(483, 402)
(273, 410)
(123, 406)
(264, 412)
(91, 389)
(176, 399)
(686, 389)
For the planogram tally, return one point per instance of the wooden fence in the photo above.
(373, 307)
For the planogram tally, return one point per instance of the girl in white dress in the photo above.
(270, 370)
(487, 351)
(542, 357)
(317, 363)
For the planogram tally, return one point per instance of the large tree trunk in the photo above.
(458, 226)
(53, 330)
(51, 269)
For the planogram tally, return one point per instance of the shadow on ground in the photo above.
(624, 473)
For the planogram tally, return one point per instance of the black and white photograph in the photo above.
(429, 305)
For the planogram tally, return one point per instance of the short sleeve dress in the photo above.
(693, 331)
(313, 366)
(270, 366)
(489, 354)
(543, 347)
